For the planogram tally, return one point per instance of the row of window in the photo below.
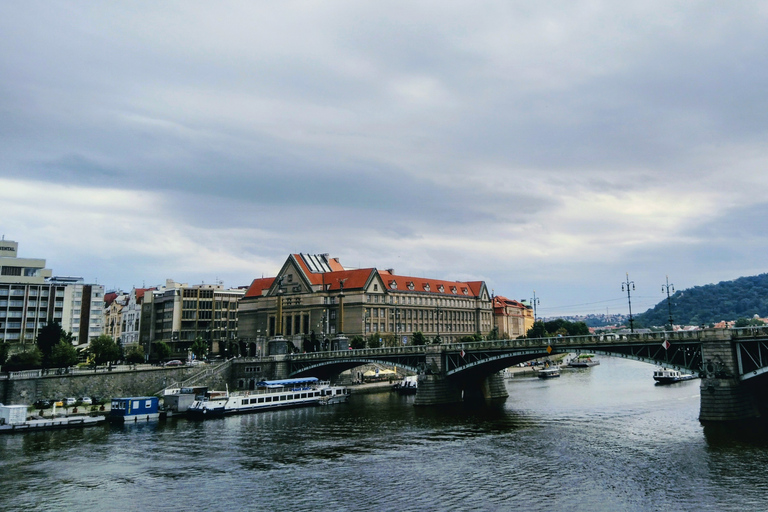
(281, 398)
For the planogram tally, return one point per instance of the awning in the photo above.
(285, 382)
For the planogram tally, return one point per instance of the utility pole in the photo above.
(535, 302)
(629, 300)
(667, 287)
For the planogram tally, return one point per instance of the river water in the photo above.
(604, 438)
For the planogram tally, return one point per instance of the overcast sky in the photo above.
(551, 146)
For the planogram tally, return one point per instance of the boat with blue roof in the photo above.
(269, 394)
(134, 409)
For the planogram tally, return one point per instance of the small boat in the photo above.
(583, 361)
(177, 400)
(408, 386)
(549, 372)
(134, 409)
(13, 420)
(667, 376)
(270, 394)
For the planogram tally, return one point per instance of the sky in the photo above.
(555, 148)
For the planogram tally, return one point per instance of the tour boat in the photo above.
(270, 394)
(408, 386)
(583, 361)
(666, 376)
(549, 372)
(13, 420)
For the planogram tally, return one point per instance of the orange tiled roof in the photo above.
(426, 285)
(258, 286)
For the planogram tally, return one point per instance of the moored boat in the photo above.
(271, 394)
(583, 361)
(134, 409)
(408, 386)
(549, 372)
(13, 420)
(667, 376)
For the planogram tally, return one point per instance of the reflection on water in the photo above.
(603, 438)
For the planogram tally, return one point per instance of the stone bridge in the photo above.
(732, 364)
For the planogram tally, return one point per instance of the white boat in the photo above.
(549, 372)
(13, 419)
(583, 361)
(408, 386)
(667, 376)
(270, 394)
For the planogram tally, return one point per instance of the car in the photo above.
(196, 362)
(174, 362)
(68, 402)
(42, 404)
(86, 400)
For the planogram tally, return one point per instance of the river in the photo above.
(603, 438)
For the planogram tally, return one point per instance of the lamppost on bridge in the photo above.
(629, 300)
(438, 315)
(534, 302)
(667, 287)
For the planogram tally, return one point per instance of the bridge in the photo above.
(731, 363)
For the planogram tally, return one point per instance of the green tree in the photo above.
(135, 354)
(419, 338)
(25, 360)
(162, 350)
(357, 341)
(437, 340)
(374, 340)
(199, 348)
(104, 350)
(64, 354)
(5, 347)
(494, 334)
(741, 322)
(47, 338)
(537, 331)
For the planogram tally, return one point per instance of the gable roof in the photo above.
(258, 286)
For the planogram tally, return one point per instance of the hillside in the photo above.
(728, 300)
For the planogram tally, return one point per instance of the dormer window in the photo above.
(426, 287)
(411, 285)
(393, 285)
(466, 292)
(453, 289)
(441, 288)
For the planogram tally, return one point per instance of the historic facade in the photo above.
(511, 318)
(316, 294)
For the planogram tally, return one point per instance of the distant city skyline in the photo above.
(552, 147)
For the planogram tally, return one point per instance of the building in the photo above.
(114, 303)
(30, 299)
(511, 318)
(315, 294)
(179, 313)
(131, 317)
(83, 313)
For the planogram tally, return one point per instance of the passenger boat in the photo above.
(667, 376)
(270, 394)
(583, 361)
(134, 409)
(13, 420)
(408, 386)
(549, 372)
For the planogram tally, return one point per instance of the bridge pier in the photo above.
(723, 396)
(436, 390)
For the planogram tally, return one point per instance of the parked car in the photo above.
(42, 404)
(69, 402)
(196, 362)
(174, 362)
(86, 400)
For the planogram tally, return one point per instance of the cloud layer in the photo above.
(550, 147)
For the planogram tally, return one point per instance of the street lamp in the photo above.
(667, 287)
(535, 302)
(629, 300)
(438, 315)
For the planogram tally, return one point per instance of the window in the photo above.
(10, 271)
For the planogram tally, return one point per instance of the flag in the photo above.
(666, 345)
(462, 353)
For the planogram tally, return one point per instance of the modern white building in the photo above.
(30, 299)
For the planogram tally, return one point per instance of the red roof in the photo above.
(258, 286)
(109, 298)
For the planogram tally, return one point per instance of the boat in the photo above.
(583, 361)
(549, 372)
(177, 400)
(667, 376)
(408, 386)
(134, 409)
(13, 420)
(270, 394)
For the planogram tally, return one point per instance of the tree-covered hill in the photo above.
(701, 305)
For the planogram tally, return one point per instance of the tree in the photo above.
(135, 354)
(741, 322)
(199, 348)
(537, 331)
(374, 340)
(357, 341)
(437, 340)
(419, 338)
(162, 350)
(25, 360)
(4, 349)
(104, 350)
(49, 337)
(494, 334)
(64, 354)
